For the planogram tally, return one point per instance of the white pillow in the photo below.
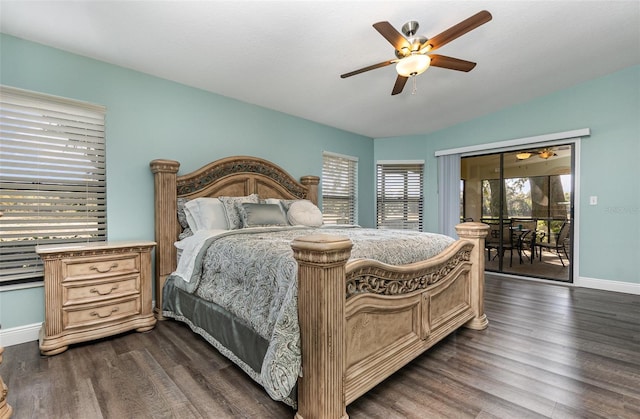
(305, 213)
(206, 214)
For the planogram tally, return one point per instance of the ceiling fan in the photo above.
(413, 52)
(545, 154)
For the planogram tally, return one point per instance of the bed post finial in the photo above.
(166, 223)
(476, 233)
(311, 182)
(321, 305)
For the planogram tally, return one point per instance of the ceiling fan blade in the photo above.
(371, 67)
(400, 82)
(458, 30)
(451, 63)
(394, 37)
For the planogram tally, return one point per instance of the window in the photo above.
(530, 197)
(52, 178)
(399, 196)
(339, 189)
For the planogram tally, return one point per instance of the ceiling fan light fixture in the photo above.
(545, 154)
(523, 155)
(413, 65)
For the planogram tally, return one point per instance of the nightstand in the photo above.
(93, 290)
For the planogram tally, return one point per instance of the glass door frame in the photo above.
(570, 214)
(575, 137)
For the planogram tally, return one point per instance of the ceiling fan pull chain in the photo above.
(415, 87)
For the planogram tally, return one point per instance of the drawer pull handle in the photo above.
(97, 291)
(97, 269)
(96, 314)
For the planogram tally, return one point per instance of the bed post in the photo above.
(321, 305)
(476, 233)
(166, 223)
(311, 182)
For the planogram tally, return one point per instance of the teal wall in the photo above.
(149, 118)
(609, 233)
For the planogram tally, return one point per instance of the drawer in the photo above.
(89, 315)
(78, 292)
(98, 266)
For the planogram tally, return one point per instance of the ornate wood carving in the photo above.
(406, 310)
(385, 280)
(242, 166)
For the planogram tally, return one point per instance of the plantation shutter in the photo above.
(52, 177)
(399, 198)
(339, 189)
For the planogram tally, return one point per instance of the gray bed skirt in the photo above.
(228, 334)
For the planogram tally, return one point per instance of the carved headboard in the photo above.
(231, 176)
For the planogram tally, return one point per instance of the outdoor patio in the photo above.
(549, 268)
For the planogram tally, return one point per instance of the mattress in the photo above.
(240, 292)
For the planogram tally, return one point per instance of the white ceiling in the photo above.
(288, 55)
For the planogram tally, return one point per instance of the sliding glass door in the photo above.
(526, 198)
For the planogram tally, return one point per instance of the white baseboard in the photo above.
(20, 334)
(606, 285)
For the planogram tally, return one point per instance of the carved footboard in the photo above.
(361, 321)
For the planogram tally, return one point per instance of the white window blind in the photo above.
(399, 197)
(52, 177)
(339, 189)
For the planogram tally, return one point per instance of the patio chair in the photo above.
(560, 245)
(493, 239)
(525, 235)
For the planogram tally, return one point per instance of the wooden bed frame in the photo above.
(360, 321)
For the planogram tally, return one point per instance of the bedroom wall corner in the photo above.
(149, 118)
(609, 232)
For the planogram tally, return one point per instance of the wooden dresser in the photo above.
(94, 290)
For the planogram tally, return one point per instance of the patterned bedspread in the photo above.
(252, 273)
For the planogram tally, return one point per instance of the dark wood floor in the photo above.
(550, 351)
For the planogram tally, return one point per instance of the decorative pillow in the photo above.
(304, 212)
(182, 216)
(232, 210)
(284, 203)
(255, 215)
(206, 214)
(270, 201)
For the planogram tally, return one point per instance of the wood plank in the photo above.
(550, 351)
